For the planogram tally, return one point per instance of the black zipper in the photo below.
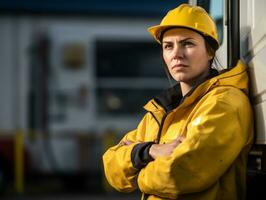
(160, 129)
(145, 196)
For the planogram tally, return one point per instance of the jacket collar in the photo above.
(171, 98)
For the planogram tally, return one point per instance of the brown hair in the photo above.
(211, 47)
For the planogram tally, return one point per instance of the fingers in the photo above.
(177, 141)
(166, 149)
(180, 139)
(125, 142)
(154, 152)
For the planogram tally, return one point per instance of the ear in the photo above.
(210, 57)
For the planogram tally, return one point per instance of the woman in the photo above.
(194, 140)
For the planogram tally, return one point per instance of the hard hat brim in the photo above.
(156, 31)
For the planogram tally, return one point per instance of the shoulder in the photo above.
(227, 96)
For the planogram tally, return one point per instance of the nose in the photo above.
(178, 51)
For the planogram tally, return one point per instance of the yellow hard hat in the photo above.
(187, 16)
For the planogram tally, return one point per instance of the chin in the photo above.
(180, 78)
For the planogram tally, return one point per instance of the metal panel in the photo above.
(260, 110)
(253, 47)
(257, 71)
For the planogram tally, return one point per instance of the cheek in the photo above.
(201, 57)
(202, 62)
(166, 59)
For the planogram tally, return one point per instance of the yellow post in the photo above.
(19, 162)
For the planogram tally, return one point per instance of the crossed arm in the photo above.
(158, 150)
(182, 165)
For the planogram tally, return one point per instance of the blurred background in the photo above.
(74, 76)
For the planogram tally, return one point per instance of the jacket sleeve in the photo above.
(117, 162)
(215, 136)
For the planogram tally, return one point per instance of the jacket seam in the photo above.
(155, 118)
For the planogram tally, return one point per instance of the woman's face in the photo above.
(185, 55)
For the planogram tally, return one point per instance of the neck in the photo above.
(187, 86)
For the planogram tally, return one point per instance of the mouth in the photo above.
(179, 66)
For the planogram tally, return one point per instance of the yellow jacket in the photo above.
(210, 164)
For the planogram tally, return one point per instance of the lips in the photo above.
(179, 66)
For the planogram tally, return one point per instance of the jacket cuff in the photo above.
(140, 156)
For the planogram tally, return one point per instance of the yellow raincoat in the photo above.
(210, 164)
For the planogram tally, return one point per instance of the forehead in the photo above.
(182, 33)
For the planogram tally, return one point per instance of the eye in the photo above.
(188, 44)
(167, 46)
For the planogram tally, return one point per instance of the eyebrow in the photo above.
(179, 41)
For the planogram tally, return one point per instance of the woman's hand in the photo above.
(125, 142)
(160, 150)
